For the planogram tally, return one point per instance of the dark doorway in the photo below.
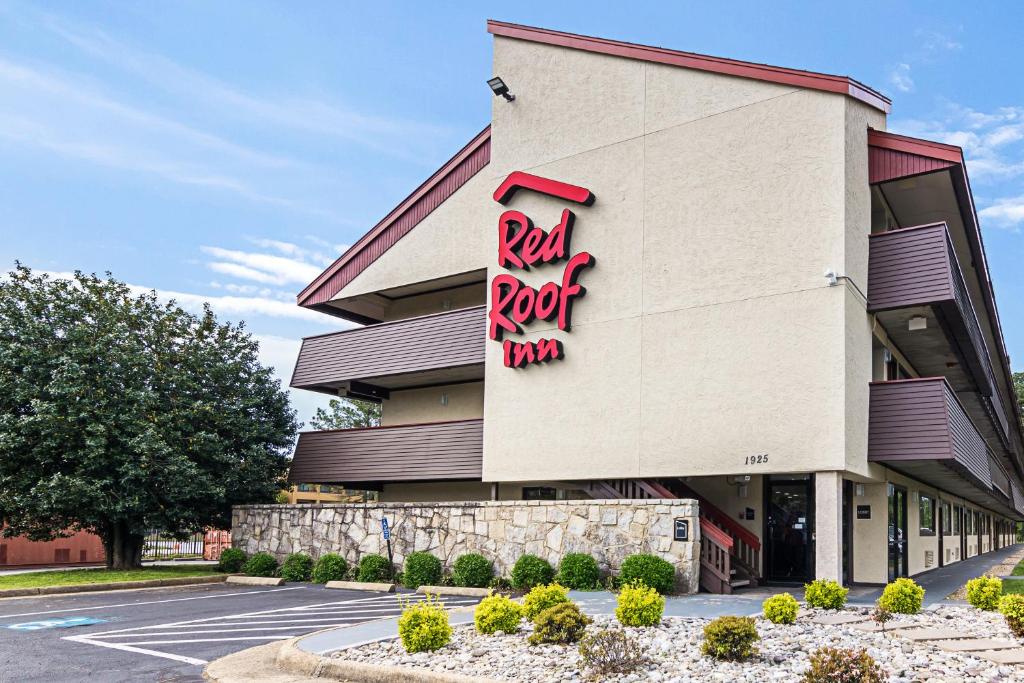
(789, 507)
(847, 532)
(962, 531)
(897, 532)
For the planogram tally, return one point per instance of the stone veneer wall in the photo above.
(609, 530)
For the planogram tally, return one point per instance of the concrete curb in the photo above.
(255, 580)
(455, 590)
(361, 586)
(112, 586)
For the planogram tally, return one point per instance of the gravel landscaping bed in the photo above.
(673, 649)
(1003, 569)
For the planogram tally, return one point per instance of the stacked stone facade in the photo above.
(610, 530)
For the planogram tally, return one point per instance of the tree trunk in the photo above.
(123, 548)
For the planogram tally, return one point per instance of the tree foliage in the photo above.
(347, 413)
(120, 414)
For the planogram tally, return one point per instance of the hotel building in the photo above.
(788, 316)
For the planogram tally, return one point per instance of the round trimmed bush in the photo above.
(421, 569)
(423, 626)
(781, 609)
(472, 570)
(730, 638)
(541, 598)
(1011, 606)
(260, 564)
(825, 594)
(497, 613)
(530, 571)
(330, 567)
(579, 571)
(231, 560)
(902, 596)
(639, 605)
(560, 624)
(652, 570)
(297, 567)
(373, 569)
(984, 592)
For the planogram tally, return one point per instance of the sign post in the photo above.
(387, 539)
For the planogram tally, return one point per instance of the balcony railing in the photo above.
(917, 267)
(416, 452)
(919, 427)
(429, 349)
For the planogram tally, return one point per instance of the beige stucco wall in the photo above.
(465, 402)
(436, 302)
(708, 333)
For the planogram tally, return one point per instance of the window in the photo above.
(956, 520)
(968, 522)
(946, 519)
(307, 488)
(539, 493)
(926, 507)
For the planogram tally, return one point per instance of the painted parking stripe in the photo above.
(139, 650)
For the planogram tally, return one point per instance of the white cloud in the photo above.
(1005, 213)
(261, 267)
(900, 77)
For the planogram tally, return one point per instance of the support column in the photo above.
(828, 526)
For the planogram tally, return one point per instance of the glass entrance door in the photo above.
(897, 532)
(788, 521)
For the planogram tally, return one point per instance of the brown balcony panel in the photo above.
(432, 349)
(418, 452)
(920, 428)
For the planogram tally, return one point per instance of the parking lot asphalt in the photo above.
(167, 634)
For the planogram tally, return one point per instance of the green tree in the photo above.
(347, 413)
(120, 414)
(1018, 385)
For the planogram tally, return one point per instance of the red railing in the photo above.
(715, 558)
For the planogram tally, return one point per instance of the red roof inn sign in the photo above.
(520, 246)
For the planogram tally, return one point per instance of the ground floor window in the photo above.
(956, 520)
(540, 493)
(926, 510)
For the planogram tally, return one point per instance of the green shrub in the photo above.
(781, 609)
(472, 570)
(500, 583)
(423, 626)
(825, 594)
(1012, 608)
(579, 571)
(421, 569)
(831, 664)
(639, 605)
(902, 596)
(655, 572)
(373, 569)
(497, 613)
(730, 638)
(330, 567)
(530, 571)
(297, 567)
(561, 624)
(260, 564)
(610, 651)
(542, 597)
(984, 591)
(231, 560)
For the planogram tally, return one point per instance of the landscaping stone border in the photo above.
(111, 586)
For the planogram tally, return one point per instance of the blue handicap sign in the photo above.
(384, 526)
(68, 622)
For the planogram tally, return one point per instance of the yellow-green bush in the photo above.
(825, 594)
(1012, 608)
(497, 613)
(984, 591)
(639, 605)
(541, 597)
(781, 609)
(902, 596)
(423, 626)
(560, 624)
(730, 638)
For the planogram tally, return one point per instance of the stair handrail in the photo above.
(731, 525)
(715, 534)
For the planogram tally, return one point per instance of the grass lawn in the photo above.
(1013, 586)
(1019, 569)
(77, 576)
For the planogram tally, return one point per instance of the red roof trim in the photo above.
(761, 72)
(403, 218)
(926, 148)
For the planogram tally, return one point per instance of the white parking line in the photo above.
(300, 620)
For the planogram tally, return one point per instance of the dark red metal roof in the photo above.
(762, 72)
(403, 218)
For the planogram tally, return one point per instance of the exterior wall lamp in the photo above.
(500, 89)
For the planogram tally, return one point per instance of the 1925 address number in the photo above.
(759, 459)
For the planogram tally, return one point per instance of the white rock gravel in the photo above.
(673, 649)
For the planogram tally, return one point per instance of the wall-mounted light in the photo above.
(741, 491)
(858, 490)
(918, 322)
(831, 278)
(500, 89)
(444, 398)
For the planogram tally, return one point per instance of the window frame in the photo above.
(921, 499)
(955, 526)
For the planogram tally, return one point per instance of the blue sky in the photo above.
(228, 151)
